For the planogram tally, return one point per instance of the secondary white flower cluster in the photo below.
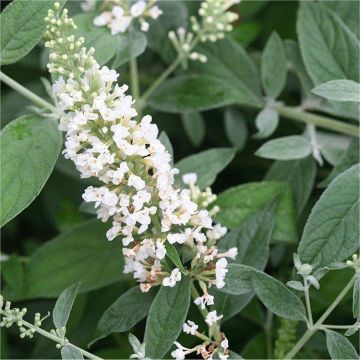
(138, 193)
(119, 14)
(215, 22)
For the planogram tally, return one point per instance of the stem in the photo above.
(318, 120)
(344, 327)
(54, 338)
(302, 341)
(160, 80)
(134, 78)
(25, 92)
(308, 305)
(215, 328)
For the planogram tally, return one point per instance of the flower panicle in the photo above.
(138, 191)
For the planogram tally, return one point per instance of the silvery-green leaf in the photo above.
(30, 146)
(70, 352)
(63, 305)
(339, 90)
(166, 317)
(299, 174)
(273, 66)
(82, 254)
(238, 203)
(348, 11)
(331, 231)
(348, 159)
(297, 285)
(277, 297)
(22, 25)
(200, 164)
(266, 122)
(129, 46)
(323, 50)
(285, 148)
(339, 346)
(194, 126)
(238, 280)
(235, 128)
(130, 308)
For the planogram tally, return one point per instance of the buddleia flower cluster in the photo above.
(118, 15)
(138, 193)
(215, 21)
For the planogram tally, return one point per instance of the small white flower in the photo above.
(189, 178)
(176, 238)
(190, 327)
(179, 353)
(136, 182)
(174, 277)
(155, 12)
(160, 250)
(212, 318)
(138, 8)
(204, 300)
(220, 272)
(225, 344)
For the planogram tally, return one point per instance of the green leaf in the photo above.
(339, 90)
(238, 279)
(277, 297)
(81, 254)
(348, 11)
(175, 15)
(331, 231)
(273, 66)
(130, 308)
(30, 146)
(266, 122)
(173, 254)
(70, 352)
(298, 67)
(200, 164)
(100, 38)
(299, 174)
(339, 346)
(235, 128)
(252, 238)
(229, 305)
(22, 26)
(129, 46)
(167, 315)
(238, 203)
(194, 126)
(356, 299)
(350, 158)
(64, 305)
(166, 142)
(242, 75)
(285, 148)
(324, 50)
(202, 91)
(246, 32)
(191, 93)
